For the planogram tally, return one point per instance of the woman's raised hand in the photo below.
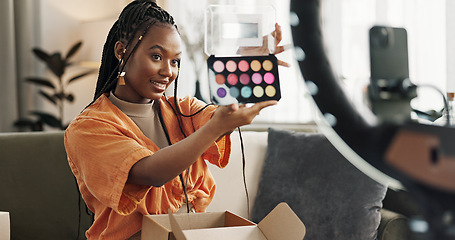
(264, 50)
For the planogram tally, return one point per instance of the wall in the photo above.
(450, 27)
(61, 29)
(62, 26)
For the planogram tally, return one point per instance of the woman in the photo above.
(135, 151)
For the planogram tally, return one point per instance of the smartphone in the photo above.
(390, 90)
(388, 53)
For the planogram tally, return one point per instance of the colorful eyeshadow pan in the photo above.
(218, 66)
(267, 65)
(235, 93)
(269, 78)
(232, 79)
(220, 79)
(246, 92)
(245, 79)
(258, 91)
(221, 92)
(231, 66)
(244, 66)
(255, 65)
(270, 91)
(257, 78)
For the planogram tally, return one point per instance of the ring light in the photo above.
(419, 156)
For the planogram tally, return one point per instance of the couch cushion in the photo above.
(230, 190)
(332, 197)
(38, 189)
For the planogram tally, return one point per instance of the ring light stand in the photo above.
(418, 157)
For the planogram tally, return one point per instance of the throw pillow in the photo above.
(333, 198)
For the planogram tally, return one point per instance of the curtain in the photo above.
(8, 90)
(19, 25)
(450, 28)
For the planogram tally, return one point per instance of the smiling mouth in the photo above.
(160, 85)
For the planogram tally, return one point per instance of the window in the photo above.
(291, 109)
(345, 26)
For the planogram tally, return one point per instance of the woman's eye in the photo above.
(176, 62)
(156, 57)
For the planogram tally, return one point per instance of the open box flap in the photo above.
(248, 232)
(226, 233)
(233, 220)
(176, 229)
(282, 224)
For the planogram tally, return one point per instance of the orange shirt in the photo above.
(102, 145)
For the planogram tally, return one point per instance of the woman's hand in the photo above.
(277, 34)
(264, 50)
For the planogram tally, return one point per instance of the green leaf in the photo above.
(48, 119)
(41, 54)
(41, 81)
(33, 125)
(59, 96)
(56, 64)
(48, 97)
(70, 97)
(23, 122)
(81, 75)
(73, 50)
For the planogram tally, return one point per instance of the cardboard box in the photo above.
(280, 224)
(4, 226)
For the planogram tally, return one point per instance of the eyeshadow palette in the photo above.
(243, 79)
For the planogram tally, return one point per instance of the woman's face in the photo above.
(153, 65)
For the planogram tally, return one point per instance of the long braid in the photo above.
(109, 62)
(136, 16)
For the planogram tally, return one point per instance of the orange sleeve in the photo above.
(103, 155)
(219, 152)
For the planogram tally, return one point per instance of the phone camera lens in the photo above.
(380, 37)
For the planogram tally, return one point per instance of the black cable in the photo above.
(176, 115)
(79, 225)
(446, 104)
(79, 211)
(177, 107)
(185, 192)
(243, 171)
(166, 133)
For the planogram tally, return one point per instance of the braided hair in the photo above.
(136, 18)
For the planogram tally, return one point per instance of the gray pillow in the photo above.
(334, 199)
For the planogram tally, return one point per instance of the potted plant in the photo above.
(57, 64)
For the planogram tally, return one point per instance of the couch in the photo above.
(261, 149)
(39, 190)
